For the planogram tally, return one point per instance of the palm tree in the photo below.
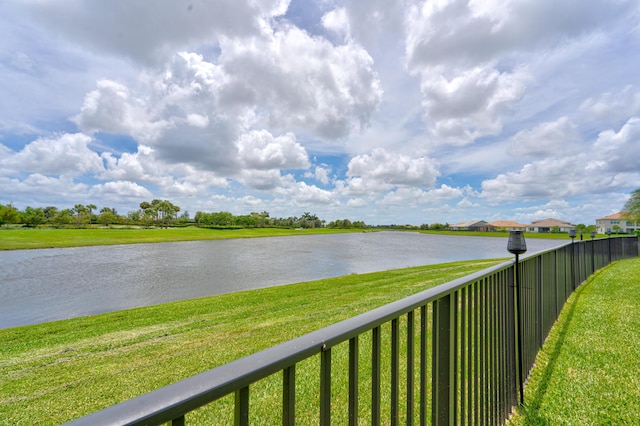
(80, 210)
(107, 215)
(91, 208)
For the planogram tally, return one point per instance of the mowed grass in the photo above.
(54, 372)
(26, 238)
(504, 234)
(588, 372)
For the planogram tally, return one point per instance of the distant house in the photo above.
(474, 225)
(549, 225)
(615, 223)
(508, 225)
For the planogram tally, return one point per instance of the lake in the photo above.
(50, 284)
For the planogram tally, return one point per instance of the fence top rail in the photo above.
(174, 400)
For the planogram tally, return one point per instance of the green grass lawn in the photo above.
(54, 372)
(588, 372)
(26, 238)
(503, 234)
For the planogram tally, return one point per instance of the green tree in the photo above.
(50, 212)
(9, 214)
(261, 219)
(162, 211)
(221, 219)
(309, 220)
(632, 207)
(198, 218)
(184, 217)
(134, 216)
(33, 217)
(245, 221)
(167, 211)
(63, 217)
(91, 208)
(581, 229)
(108, 216)
(149, 212)
(80, 211)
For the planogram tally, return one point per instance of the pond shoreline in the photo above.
(42, 238)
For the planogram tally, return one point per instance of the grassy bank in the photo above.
(26, 238)
(54, 372)
(588, 371)
(502, 234)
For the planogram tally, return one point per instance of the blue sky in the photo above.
(382, 111)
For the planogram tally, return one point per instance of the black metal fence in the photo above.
(448, 355)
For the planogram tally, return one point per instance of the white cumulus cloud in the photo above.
(66, 154)
(262, 151)
(394, 169)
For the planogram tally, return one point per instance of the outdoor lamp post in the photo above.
(609, 240)
(517, 245)
(572, 234)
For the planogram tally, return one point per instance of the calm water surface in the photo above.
(45, 285)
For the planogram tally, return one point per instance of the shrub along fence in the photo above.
(447, 355)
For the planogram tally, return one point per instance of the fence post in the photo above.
(444, 355)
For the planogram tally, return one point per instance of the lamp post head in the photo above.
(593, 234)
(572, 233)
(517, 243)
(609, 232)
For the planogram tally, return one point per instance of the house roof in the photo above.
(507, 224)
(550, 222)
(612, 216)
(468, 224)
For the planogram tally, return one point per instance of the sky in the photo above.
(388, 112)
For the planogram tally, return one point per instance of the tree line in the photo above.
(158, 213)
(164, 213)
(78, 215)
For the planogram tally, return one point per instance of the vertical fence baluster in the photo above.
(504, 327)
(497, 376)
(241, 416)
(493, 351)
(375, 377)
(511, 335)
(463, 352)
(325, 387)
(289, 396)
(353, 381)
(483, 350)
(395, 370)
(454, 351)
(473, 350)
(410, 367)
(539, 300)
(476, 350)
(423, 365)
